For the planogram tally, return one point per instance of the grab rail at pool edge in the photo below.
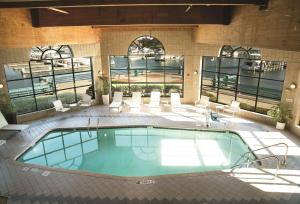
(252, 151)
(264, 158)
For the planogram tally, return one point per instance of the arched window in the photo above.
(240, 52)
(146, 45)
(51, 52)
(147, 68)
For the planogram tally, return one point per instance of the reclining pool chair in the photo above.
(117, 101)
(59, 106)
(86, 101)
(5, 126)
(233, 108)
(202, 104)
(154, 99)
(136, 100)
(175, 101)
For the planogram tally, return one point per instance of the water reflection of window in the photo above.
(257, 84)
(62, 149)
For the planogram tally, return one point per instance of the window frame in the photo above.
(147, 82)
(55, 91)
(237, 93)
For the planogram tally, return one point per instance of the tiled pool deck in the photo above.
(28, 184)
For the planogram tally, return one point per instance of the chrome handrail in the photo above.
(252, 151)
(264, 158)
(89, 123)
(98, 123)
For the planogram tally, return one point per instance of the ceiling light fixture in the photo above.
(58, 10)
(188, 8)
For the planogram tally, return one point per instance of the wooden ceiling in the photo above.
(47, 13)
(88, 3)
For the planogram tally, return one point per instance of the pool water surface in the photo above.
(137, 151)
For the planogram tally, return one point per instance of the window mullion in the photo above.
(53, 75)
(92, 77)
(258, 84)
(74, 86)
(237, 80)
(164, 85)
(128, 73)
(219, 64)
(32, 83)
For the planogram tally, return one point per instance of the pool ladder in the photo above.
(248, 162)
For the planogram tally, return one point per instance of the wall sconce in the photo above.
(1, 86)
(195, 72)
(293, 85)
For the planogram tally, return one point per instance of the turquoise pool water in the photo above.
(138, 151)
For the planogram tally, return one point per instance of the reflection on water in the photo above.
(137, 151)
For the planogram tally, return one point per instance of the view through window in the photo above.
(34, 85)
(147, 68)
(256, 84)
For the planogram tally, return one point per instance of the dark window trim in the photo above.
(163, 69)
(236, 90)
(55, 90)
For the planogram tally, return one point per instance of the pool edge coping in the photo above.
(125, 178)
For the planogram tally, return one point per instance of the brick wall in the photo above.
(16, 32)
(275, 28)
(14, 55)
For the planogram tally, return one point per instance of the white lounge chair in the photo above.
(233, 108)
(175, 100)
(154, 99)
(117, 101)
(86, 101)
(154, 104)
(5, 126)
(203, 102)
(59, 106)
(202, 105)
(136, 100)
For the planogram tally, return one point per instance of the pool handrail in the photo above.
(260, 159)
(98, 123)
(252, 151)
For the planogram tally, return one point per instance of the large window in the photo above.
(256, 84)
(147, 68)
(34, 85)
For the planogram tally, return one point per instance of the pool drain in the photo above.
(146, 182)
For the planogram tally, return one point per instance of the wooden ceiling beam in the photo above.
(121, 16)
(109, 3)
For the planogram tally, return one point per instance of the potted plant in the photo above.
(281, 114)
(105, 90)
